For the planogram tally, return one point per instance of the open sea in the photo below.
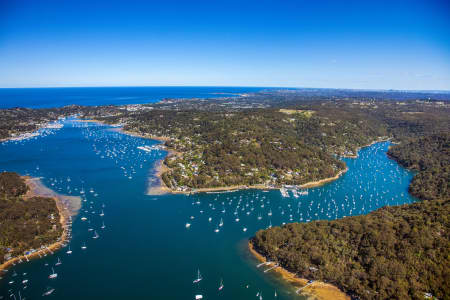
(57, 97)
(145, 250)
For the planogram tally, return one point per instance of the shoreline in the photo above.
(368, 145)
(37, 189)
(320, 182)
(316, 290)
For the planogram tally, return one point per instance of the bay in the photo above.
(145, 250)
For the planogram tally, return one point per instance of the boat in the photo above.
(145, 148)
(199, 277)
(244, 229)
(83, 218)
(58, 262)
(103, 225)
(102, 213)
(69, 251)
(221, 285)
(84, 246)
(198, 297)
(221, 222)
(53, 275)
(48, 292)
(188, 225)
(96, 236)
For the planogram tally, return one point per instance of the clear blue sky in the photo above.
(342, 44)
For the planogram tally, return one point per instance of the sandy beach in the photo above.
(323, 181)
(67, 206)
(317, 290)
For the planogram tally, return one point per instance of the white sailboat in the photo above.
(58, 262)
(96, 236)
(49, 291)
(199, 277)
(53, 274)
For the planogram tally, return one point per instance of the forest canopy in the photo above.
(25, 223)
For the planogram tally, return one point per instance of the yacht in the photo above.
(53, 275)
(199, 277)
(48, 292)
(221, 285)
(58, 262)
(69, 251)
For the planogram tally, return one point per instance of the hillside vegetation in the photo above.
(25, 224)
(399, 252)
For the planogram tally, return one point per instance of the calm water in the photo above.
(56, 97)
(145, 251)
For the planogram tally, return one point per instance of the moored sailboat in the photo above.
(199, 277)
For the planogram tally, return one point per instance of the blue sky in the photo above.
(339, 44)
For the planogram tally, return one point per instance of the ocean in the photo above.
(145, 250)
(57, 97)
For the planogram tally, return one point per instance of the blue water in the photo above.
(57, 97)
(145, 251)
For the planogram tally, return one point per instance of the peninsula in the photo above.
(34, 220)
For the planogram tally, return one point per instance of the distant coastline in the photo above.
(68, 206)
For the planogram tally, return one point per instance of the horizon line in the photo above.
(231, 86)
